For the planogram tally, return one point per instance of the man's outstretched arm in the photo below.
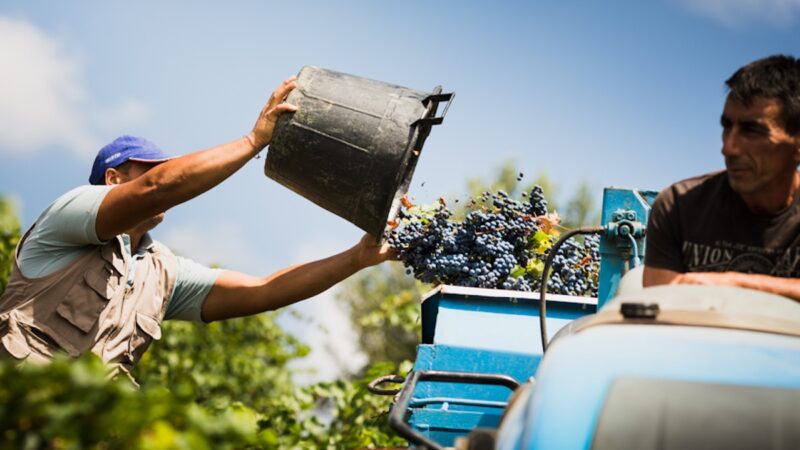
(235, 294)
(188, 176)
(787, 287)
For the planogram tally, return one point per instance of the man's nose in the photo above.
(730, 143)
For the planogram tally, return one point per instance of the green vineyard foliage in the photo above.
(225, 385)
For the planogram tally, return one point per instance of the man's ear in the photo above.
(113, 176)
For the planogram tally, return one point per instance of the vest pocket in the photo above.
(149, 325)
(147, 329)
(82, 306)
(13, 339)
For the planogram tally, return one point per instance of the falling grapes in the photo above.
(500, 243)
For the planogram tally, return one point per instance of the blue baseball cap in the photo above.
(122, 149)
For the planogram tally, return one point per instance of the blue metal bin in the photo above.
(487, 331)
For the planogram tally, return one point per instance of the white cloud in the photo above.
(44, 100)
(733, 13)
(222, 243)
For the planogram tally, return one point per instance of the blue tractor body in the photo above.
(573, 403)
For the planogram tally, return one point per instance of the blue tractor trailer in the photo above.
(667, 367)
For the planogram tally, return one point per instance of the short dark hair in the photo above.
(777, 77)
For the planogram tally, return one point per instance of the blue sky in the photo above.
(622, 93)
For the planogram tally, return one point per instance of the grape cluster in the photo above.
(498, 244)
(574, 270)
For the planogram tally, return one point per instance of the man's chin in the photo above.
(155, 221)
(150, 223)
(740, 184)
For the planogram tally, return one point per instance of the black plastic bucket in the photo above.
(353, 144)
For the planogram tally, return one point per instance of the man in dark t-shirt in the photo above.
(739, 227)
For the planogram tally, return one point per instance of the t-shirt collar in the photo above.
(145, 245)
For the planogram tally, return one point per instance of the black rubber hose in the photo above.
(546, 276)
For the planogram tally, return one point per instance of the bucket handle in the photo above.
(423, 125)
(436, 98)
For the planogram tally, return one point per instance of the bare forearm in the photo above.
(184, 178)
(306, 280)
(169, 184)
(149, 194)
(787, 287)
(236, 294)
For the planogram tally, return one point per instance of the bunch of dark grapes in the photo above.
(492, 247)
(575, 266)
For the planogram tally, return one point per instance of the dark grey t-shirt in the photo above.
(702, 225)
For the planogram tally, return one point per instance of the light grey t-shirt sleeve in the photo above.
(63, 231)
(192, 285)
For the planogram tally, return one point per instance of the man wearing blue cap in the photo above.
(88, 277)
